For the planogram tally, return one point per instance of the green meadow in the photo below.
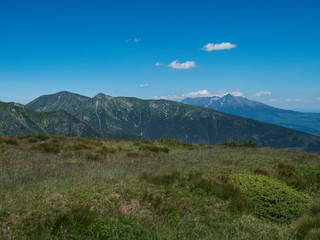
(57, 187)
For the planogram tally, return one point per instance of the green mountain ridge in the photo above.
(240, 106)
(162, 118)
(17, 120)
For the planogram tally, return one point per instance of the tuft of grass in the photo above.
(165, 179)
(133, 154)
(287, 173)
(306, 224)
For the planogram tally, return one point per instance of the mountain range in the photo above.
(306, 122)
(162, 118)
(17, 120)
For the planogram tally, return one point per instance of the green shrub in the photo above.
(78, 147)
(9, 140)
(42, 137)
(248, 143)
(262, 171)
(48, 147)
(271, 199)
(106, 150)
(153, 148)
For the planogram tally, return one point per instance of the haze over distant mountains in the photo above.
(161, 118)
(306, 122)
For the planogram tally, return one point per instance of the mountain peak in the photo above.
(102, 96)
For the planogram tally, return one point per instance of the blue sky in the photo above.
(271, 49)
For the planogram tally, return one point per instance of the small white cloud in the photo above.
(273, 100)
(318, 98)
(258, 94)
(134, 40)
(144, 85)
(168, 97)
(186, 65)
(294, 100)
(199, 94)
(237, 93)
(158, 64)
(218, 46)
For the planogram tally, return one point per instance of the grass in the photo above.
(159, 189)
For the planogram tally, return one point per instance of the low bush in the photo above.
(48, 147)
(153, 148)
(262, 171)
(42, 137)
(271, 199)
(173, 142)
(9, 140)
(78, 147)
(106, 150)
(248, 143)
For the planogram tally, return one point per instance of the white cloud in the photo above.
(200, 93)
(186, 65)
(318, 98)
(134, 40)
(168, 97)
(273, 100)
(144, 85)
(294, 100)
(258, 94)
(237, 93)
(218, 46)
(158, 64)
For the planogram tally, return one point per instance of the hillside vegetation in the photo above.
(86, 188)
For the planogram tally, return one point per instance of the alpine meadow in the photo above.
(164, 120)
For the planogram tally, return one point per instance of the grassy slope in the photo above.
(41, 191)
